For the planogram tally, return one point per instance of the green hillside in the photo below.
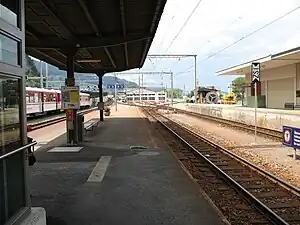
(57, 77)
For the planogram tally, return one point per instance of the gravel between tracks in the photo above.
(233, 206)
(272, 157)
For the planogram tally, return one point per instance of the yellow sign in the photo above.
(70, 97)
(74, 96)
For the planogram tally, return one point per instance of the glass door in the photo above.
(12, 175)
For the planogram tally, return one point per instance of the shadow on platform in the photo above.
(139, 186)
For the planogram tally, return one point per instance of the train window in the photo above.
(49, 97)
(30, 98)
(36, 97)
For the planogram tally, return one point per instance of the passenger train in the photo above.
(41, 101)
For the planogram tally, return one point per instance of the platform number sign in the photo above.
(255, 72)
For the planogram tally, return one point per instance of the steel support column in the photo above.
(72, 114)
(100, 76)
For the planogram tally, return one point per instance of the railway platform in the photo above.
(268, 118)
(122, 174)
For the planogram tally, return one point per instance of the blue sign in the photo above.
(119, 86)
(291, 137)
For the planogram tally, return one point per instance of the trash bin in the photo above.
(80, 127)
(30, 150)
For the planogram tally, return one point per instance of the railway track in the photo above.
(244, 193)
(262, 131)
(38, 125)
(44, 123)
(47, 122)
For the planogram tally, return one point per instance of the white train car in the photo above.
(85, 100)
(40, 101)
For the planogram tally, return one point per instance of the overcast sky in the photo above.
(214, 25)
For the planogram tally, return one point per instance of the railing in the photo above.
(14, 202)
(18, 150)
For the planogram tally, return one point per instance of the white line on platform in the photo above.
(99, 171)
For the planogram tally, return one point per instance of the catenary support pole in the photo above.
(116, 101)
(72, 113)
(172, 91)
(195, 80)
(101, 104)
(41, 74)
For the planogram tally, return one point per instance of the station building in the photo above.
(144, 95)
(279, 86)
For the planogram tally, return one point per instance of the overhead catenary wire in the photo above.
(251, 33)
(182, 27)
(218, 33)
(247, 35)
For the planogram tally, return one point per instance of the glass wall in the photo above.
(12, 196)
(9, 50)
(9, 11)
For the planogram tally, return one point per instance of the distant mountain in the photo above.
(56, 76)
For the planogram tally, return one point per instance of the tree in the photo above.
(239, 86)
(191, 94)
(31, 71)
(177, 93)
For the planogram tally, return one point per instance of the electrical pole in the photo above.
(140, 88)
(172, 93)
(47, 78)
(145, 73)
(196, 85)
(142, 85)
(116, 93)
(176, 56)
(41, 74)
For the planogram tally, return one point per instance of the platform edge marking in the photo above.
(99, 170)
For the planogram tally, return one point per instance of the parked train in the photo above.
(40, 101)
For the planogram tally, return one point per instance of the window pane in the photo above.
(9, 50)
(9, 11)
(10, 140)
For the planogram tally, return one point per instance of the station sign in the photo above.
(118, 86)
(70, 97)
(291, 137)
(255, 68)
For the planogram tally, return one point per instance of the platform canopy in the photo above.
(285, 58)
(109, 35)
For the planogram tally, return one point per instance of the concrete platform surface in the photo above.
(269, 118)
(110, 181)
(36, 217)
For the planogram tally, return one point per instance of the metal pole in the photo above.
(41, 74)
(47, 75)
(255, 113)
(101, 95)
(172, 94)
(79, 81)
(116, 93)
(195, 92)
(140, 87)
